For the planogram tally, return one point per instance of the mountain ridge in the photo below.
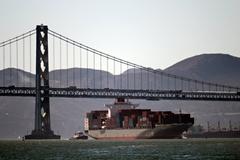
(17, 114)
(216, 68)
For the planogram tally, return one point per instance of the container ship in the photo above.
(122, 120)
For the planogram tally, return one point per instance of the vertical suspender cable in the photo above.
(94, 72)
(87, 66)
(134, 77)
(120, 75)
(24, 75)
(159, 81)
(175, 83)
(54, 67)
(30, 57)
(107, 74)
(4, 69)
(141, 78)
(191, 85)
(162, 81)
(127, 77)
(168, 82)
(196, 85)
(67, 60)
(155, 79)
(60, 50)
(100, 71)
(80, 68)
(73, 64)
(114, 81)
(181, 84)
(17, 61)
(148, 80)
(10, 54)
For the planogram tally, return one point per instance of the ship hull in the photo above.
(164, 131)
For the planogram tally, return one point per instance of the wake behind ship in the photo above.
(123, 121)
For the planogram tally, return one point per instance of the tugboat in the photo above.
(79, 135)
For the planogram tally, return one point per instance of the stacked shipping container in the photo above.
(135, 118)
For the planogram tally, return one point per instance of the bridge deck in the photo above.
(132, 94)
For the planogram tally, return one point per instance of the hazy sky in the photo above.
(153, 33)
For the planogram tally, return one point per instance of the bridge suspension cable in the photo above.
(96, 69)
(171, 82)
(17, 38)
(16, 55)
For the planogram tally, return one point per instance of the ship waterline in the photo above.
(159, 132)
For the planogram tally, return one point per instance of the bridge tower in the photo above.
(42, 128)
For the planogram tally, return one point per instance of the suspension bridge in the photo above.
(42, 63)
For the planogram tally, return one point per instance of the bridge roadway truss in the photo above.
(131, 94)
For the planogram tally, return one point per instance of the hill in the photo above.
(220, 68)
(17, 114)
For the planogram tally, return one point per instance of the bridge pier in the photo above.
(42, 129)
(42, 135)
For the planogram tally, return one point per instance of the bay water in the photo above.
(170, 149)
